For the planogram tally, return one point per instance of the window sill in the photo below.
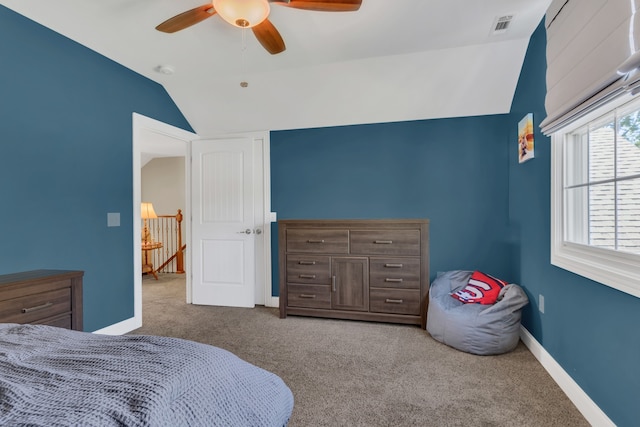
(617, 270)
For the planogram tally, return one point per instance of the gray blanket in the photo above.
(56, 377)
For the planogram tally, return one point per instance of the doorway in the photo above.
(163, 188)
(151, 136)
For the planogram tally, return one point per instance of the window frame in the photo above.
(616, 269)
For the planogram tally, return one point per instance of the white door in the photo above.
(223, 228)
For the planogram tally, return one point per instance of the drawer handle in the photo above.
(388, 279)
(307, 296)
(306, 262)
(383, 242)
(333, 283)
(36, 308)
(394, 301)
(307, 276)
(389, 265)
(315, 241)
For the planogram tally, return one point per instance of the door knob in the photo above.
(258, 231)
(247, 231)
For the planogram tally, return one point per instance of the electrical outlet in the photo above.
(541, 303)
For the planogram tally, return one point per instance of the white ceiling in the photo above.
(392, 60)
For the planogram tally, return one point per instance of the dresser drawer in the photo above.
(308, 269)
(394, 301)
(318, 241)
(35, 307)
(309, 296)
(385, 242)
(394, 273)
(62, 321)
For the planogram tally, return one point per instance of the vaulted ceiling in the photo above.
(392, 60)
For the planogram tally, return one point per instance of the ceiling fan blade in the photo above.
(187, 19)
(269, 37)
(322, 5)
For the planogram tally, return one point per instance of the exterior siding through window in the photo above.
(604, 206)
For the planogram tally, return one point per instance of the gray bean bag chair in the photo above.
(474, 328)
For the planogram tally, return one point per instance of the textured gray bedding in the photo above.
(56, 377)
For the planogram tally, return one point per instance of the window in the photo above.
(596, 197)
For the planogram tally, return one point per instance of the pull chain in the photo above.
(244, 83)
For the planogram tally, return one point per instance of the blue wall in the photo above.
(590, 329)
(66, 161)
(451, 171)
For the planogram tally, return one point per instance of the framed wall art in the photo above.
(525, 138)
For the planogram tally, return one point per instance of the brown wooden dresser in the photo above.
(375, 270)
(47, 297)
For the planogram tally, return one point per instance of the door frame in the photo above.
(142, 126)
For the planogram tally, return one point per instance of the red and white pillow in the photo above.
(481, 288)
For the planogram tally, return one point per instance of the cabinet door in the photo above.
(350, 283)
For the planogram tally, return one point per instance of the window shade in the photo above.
(593, 55)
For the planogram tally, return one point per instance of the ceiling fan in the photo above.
(253, 14)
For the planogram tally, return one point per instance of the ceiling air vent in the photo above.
(501, 24)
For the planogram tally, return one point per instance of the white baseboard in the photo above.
(592, 412)
(272, 302)
(121, 328)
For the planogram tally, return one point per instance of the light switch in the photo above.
(113, 219)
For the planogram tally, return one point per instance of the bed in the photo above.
(51, 376)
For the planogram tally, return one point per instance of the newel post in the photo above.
(179, 254)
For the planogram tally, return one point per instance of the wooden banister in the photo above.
(179, 254)
(171, 258)
(167, 229)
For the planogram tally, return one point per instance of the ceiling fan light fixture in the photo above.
(242, 13)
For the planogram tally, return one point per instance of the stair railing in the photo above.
(167, 229)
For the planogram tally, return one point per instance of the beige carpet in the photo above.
(348, 373)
